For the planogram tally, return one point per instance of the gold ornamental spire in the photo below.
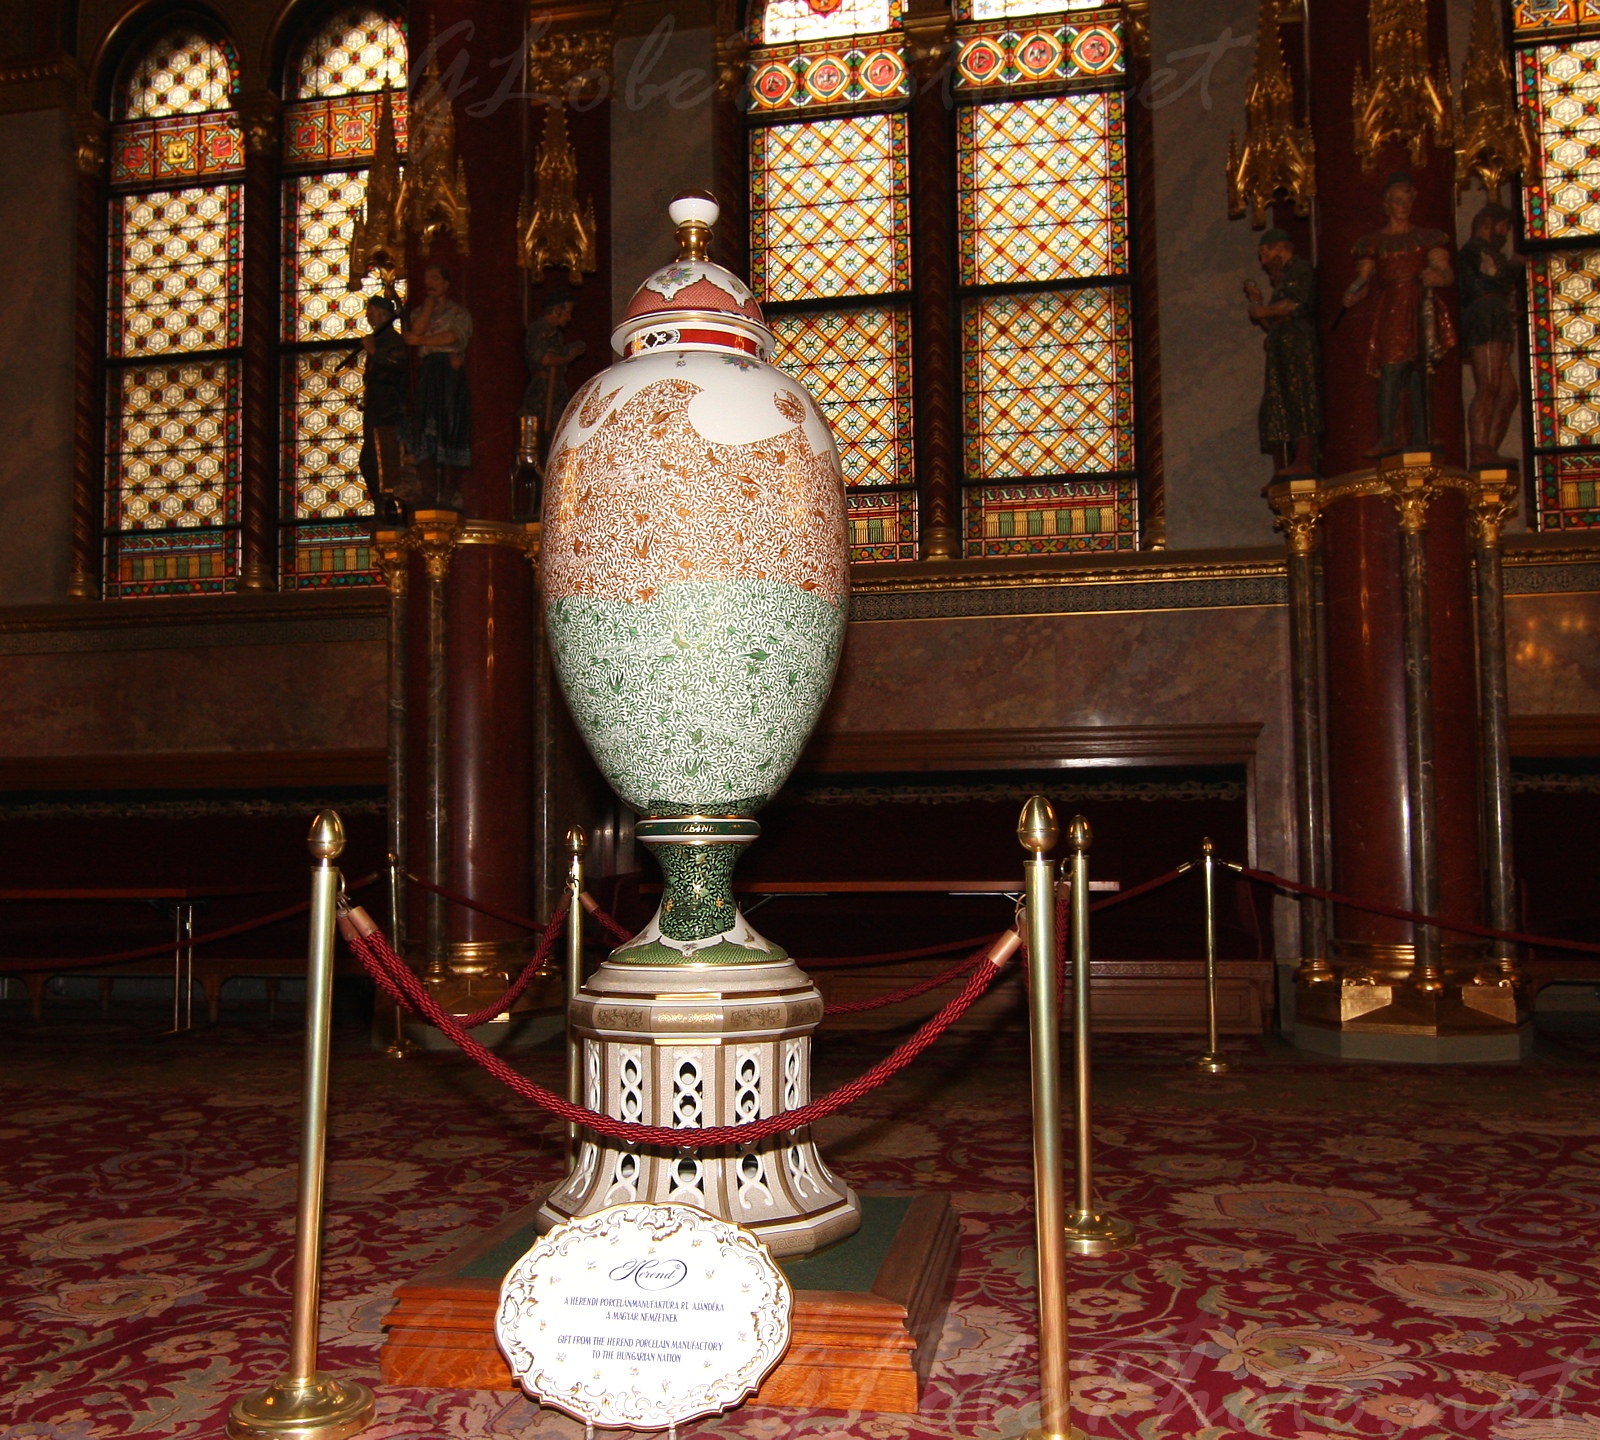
(378, 233)
(555, 229)
(1494, 139)
(436, 179)
(1278, 161)
(1403, 102)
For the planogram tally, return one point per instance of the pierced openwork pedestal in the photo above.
(690, 1046)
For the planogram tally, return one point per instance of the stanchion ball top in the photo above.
(1037, 830)
(577, 841)
(327, 836)
(1079, 834)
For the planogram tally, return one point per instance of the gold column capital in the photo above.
(434, 535)
(259, 113)
(1298, 504)
(1494, 503)
(929, 38)
(393, 551)
(519, 535)
(89, 131)
(733, 54)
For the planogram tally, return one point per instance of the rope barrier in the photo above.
(520, 921)
(1144, 889)
(1266, 877)
(166, 947)
(933, 982)
(613, 928)
(397, 981)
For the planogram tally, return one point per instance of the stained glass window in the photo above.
(1560, 84)
(1042, 258)
(173, 321)
(830, 208)
(783, 21)
(330, 129)
(1043, 189)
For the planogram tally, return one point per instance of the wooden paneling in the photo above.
(1129, 996)
(1063, 747)
(192, 770)
(1555, 736)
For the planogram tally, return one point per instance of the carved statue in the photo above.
(383, 404)
(1491, 304)
(440, 434)
(1291, 397)
(548, 354)
(1410, 329)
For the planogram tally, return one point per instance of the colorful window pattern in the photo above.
(1023, 60)
(857, 365)
(329, 129)
(1561, 87)
(1015, 9)
(830, 208)
(1043, 190)
(787, 21)
(1048, 384)
(173, 323)
(1560, 83)
(795, 78)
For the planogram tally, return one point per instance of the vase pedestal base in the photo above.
(867, 1316)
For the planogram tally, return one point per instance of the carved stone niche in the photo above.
(690, 1046)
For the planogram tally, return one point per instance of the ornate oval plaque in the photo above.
(644, 1316)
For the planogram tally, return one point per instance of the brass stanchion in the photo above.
(1038, 832)
(306, 1404)
(1211, 1062)
(577, 844)
(1089, 1231)
(400, 1047)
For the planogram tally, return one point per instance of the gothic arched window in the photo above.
(830, 229)
(1558, 72)
(1042, 274)
(331, 122)
(173, 320)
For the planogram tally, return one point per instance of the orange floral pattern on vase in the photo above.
(657, 479)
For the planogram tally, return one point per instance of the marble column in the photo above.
(472, 736)
(259, 113)
(88, 418)
(1401, 682)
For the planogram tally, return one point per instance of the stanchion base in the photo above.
(399, 1050)
(322, 1409)
(1211, 1062)
(1040, 1434)
(1089, 1233)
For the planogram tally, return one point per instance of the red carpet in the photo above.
(1325, 1251)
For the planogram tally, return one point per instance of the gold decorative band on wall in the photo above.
(519, 536)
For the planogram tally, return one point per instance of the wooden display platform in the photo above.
(866, 1321)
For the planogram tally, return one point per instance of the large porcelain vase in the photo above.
(695, 572)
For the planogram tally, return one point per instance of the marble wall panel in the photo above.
(38, 195)
(1553, 654)
(661, 134)
(236, 698)
(1173, 667)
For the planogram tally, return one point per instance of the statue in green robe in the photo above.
(1291, 400)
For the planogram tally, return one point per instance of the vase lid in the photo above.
(693, 304)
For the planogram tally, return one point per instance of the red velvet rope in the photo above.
(397, 981)
(933, 982)
(1266, 877)
(166, 947)
(520, 921)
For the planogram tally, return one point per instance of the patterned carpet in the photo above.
(1325, 1250)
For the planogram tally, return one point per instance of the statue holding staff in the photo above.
(1291, 398)
(548, 354)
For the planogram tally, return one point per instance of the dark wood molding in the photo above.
(1555, 736)
(1064, 747)
(194, 770)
